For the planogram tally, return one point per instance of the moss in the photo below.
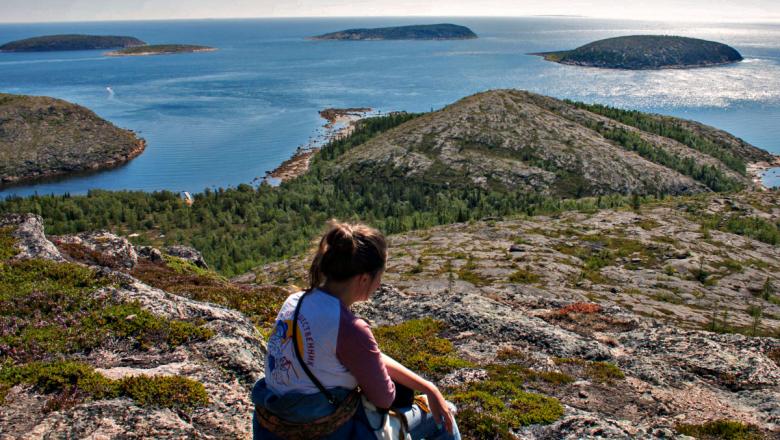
(164, 391)
(603, 372)
(721, 429)
(524, 276)
(82, 381)
(416, 345)
(182, 266)
(48, 309)
(491, 408)
(7, 244)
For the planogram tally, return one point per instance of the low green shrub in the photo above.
(7, 242)
(48, 309)
(721, 430)
(81, 382)
(524, 276)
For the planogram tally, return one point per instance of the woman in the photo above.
(309, 385)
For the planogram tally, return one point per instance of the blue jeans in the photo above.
(299, 408)
(422, 425)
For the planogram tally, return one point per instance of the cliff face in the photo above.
(43, 137)
(641, 52)
(515, 140)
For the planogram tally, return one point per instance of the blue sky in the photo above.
(678, 10)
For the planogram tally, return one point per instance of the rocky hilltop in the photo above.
(442, 31)
(658, 321)
(69, 42)
(643, 52)
(510, 140)
(640, 323)
(43, 137)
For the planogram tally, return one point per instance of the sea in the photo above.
(220, 119)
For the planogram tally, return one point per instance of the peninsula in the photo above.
(49, 43)
(43, 137)
(647, 52)
(444, 31)
(160, 49)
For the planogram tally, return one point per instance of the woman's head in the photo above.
(347, 250)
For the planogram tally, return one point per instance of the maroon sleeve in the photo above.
(357, 350)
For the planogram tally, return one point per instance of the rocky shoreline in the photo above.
(340, 123)
(756, 171)
(113, 162)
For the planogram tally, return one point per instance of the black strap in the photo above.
(308, 372)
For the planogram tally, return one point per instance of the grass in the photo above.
(524, 276)
(75, 382)
(467, 273)
(602, 372)
(721, 430)
(417, 345)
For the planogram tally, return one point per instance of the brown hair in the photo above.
(347, 250)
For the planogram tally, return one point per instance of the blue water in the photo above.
(223, 118)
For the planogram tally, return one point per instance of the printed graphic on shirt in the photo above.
(281, 355)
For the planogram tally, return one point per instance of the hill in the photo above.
(69, 42)
(415, 32)
(492, 154)
(640, 52)
(43, 137)
(160, 49)
(508, 140)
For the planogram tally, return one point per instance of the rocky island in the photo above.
(43, 137)
(70, 42)
(160, 49)
(647, 52)
(443, 31)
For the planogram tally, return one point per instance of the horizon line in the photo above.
(775, 20)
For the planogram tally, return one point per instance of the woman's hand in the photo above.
(439, 408)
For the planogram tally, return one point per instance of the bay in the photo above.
(223, 118)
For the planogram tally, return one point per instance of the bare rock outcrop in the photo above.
(30, 238)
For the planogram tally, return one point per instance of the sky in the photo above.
(25, 11)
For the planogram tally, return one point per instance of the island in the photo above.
(444, 31)
(159, 49)
(42, 137)
(647, 52)
(50, 43)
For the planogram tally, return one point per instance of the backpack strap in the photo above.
(328, 395)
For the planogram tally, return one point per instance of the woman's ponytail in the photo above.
(347, 250)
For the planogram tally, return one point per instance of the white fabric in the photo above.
(318, 327)
(386, 426)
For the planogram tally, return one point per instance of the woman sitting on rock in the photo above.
(316, 370)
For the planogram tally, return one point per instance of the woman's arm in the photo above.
(410, 379)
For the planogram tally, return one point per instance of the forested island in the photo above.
(647, 52)
(444, 31)
(70, 42)
(42, 137)
(160, 49)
